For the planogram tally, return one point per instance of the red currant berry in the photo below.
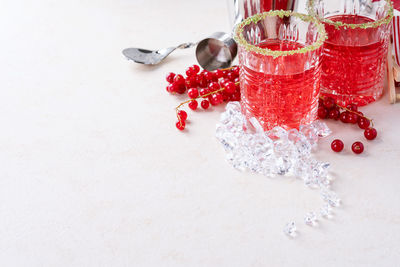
(216, 99)
(343, 117)
(352, 117)
(195, 68)
(218, 74)
(370, 133)
(214, 86)
(337, 145)
(180, 125)
(205, 104)
(190, 72)
(363, 122)
(204, 91)
(231, 76)
(223, 82)
(179, 79)
(352, 107)
(209, 76)
(226, 97)
(170, 77)
(230, 87)
(235, 96)
(191, 82)
(193, 93)
(182, 115)
(329, 102)
(322, 112)
(201, 80)
(170, 88)
(193, 105)
(236, 70)
(334, 114)
(357, 147)
(180, 88)
(320, 102)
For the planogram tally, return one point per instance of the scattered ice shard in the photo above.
(326, 211)
(290, 229)
(310, 219)
(330, 197)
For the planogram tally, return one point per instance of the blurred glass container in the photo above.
(242, 9)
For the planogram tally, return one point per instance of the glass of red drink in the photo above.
(355, 52)
(280, 62)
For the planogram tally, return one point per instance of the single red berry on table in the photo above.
(329, 102)
(182, 115)
(343, 117)
(170, 77)
(230, 87)
(180, 125)
(205, 104)
(322, 112)
(193, 105)
(352, 118)
(363, 122)
(193, 93)
(357, 147)
(370, 133)
(334, 114)
(337, 145)
(352, 107)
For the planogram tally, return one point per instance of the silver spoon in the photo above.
(152, 57)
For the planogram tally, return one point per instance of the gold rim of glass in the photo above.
(238, 36)
(337, 24)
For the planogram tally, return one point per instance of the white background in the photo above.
(93, 171)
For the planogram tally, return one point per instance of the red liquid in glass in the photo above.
(354, 62)
(289, 99)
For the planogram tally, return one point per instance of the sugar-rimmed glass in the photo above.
(355, 52)
(280, 62)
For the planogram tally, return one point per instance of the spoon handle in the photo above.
(186, 45)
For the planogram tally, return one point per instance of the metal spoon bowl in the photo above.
(152, 57)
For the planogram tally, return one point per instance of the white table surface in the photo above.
(93, 171)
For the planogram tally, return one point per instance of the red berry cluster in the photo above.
(329, 109)
(214, 87)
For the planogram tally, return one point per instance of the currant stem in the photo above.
(352, 111)
(200, 96)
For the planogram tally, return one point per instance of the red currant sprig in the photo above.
(328, 108)
(215, 87)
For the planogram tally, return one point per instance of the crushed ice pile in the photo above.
(278, 152)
